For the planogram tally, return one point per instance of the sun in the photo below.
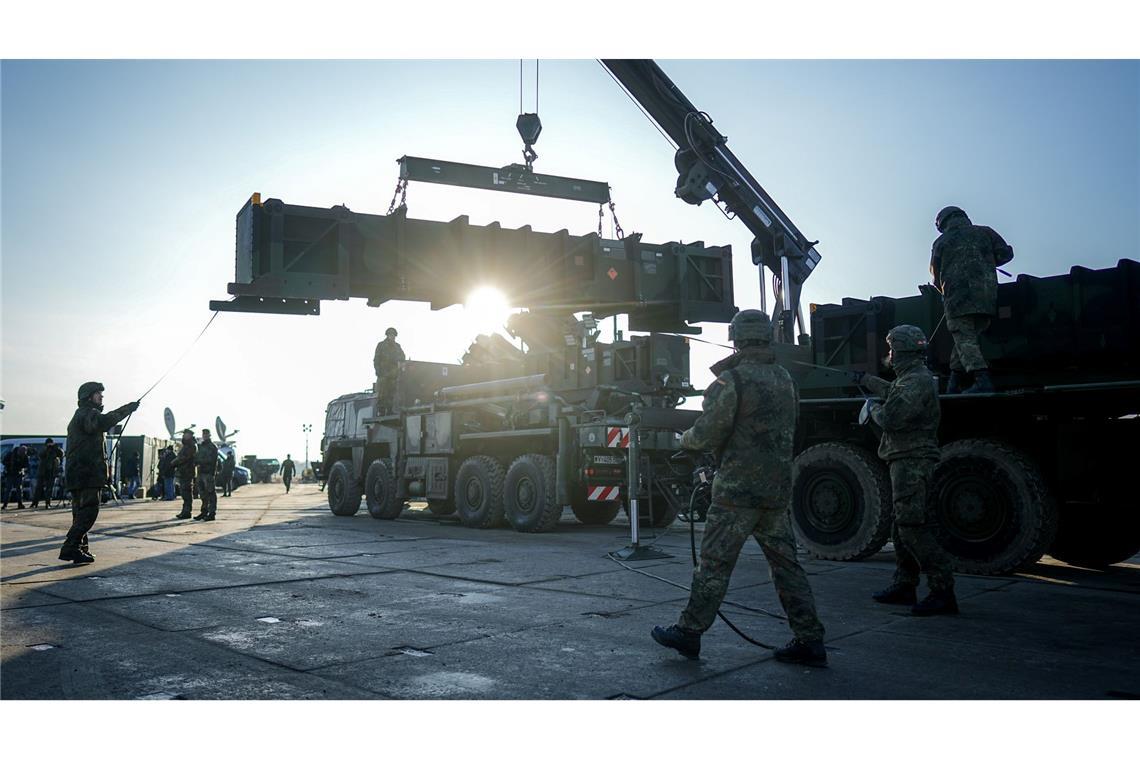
(486, 309)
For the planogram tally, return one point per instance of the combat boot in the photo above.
(896, 593)
(936, 603)
(802, 653)
(208, 518)
(200, 516)
(75, 555)
(982, 383)
(956, 382)
(687, 643)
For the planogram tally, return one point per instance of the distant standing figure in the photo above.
(87, 472)
(288, 470)
(909, 417)
(50, 457)
(207, 461)
(386, 362)
(184, 465)
(228, 473)
(166, 473)
(15, 465)
(131, 473)
(963, 263)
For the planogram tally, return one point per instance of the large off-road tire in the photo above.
(841, 502)
(479, 492)
(1097, 535)
(380, 491)
(441, 507)
(991, 507)
(594, 512)
(344, 490)
(529, 498)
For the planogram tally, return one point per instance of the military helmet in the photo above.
(904, 338)
(750, 324)
(88, 388)
(946, 215)
(390, 332)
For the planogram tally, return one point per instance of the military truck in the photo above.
(510, 436)
(1044, 465)
(260, 470)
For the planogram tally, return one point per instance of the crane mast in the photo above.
(708, 170)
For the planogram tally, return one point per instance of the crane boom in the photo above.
(708, 170)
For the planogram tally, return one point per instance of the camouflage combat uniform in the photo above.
(183, 464)
(909, 418)
(207, 460)
(86, 473)
(749, 417)
(386, 361)
(963, 262)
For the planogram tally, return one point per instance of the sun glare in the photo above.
(486, 309)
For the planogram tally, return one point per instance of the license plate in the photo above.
(608, 460)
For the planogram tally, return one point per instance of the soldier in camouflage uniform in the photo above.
(207, 460)
(386, 361)
(749, 419)
(909, 417)
(183, 464)
(86, 473)
(963, 263)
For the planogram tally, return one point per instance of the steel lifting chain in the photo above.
(401, 194)
(613, 212)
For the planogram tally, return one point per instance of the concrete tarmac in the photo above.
(279, 599)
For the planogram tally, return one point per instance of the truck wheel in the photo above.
(344, 490)
(594, 512)
(841, 502)
(529, 500)
(1097, 535)
(993, 512)
(441, 507)
(479, 492)
(380, 491)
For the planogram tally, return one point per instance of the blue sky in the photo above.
(119, 181)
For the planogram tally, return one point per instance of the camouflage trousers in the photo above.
(967, 353)
(208, 492)
(916, 549)
(726, 531)
(385, 393)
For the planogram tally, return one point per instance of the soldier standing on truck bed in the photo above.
(386, 362)
(909, 417)
(749, 419)
(183, 464)
(963, 263)
(207, 460)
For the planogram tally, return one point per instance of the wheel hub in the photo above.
(973, 509)
(525, 496)
(830, 503)
(474, 491)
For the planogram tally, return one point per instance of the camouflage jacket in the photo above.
(288, 468)
(963, 264)
(387, 357)
(749, 418)
(910, 414)
(206, 458)
(184, 462)
(87, 447)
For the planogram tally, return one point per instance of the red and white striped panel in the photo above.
(603, 493)
(617, 437)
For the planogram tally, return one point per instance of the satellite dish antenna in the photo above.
(220, 428)
(168, 418)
